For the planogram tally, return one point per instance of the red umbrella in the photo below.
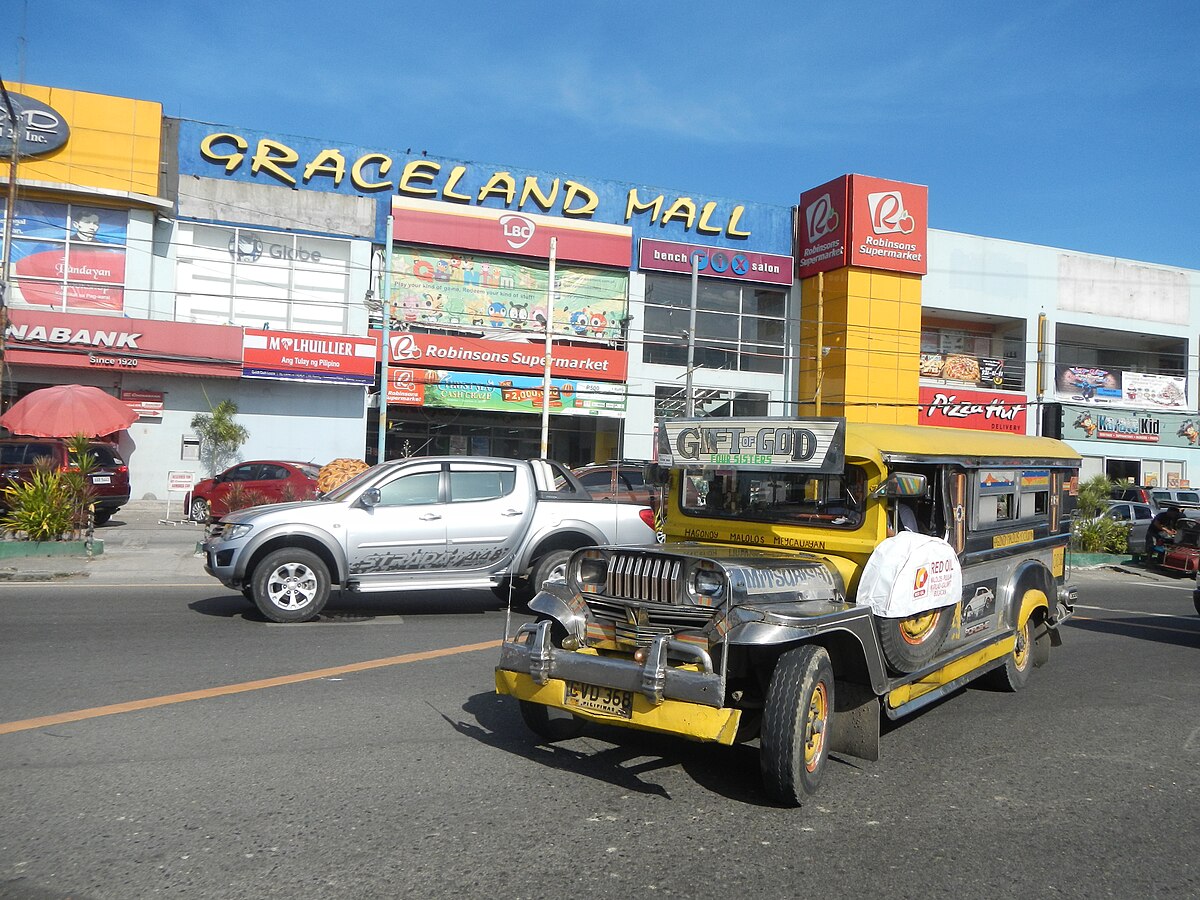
(66, 410)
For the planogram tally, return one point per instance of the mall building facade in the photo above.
(177, 264)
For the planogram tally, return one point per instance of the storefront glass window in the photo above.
(738, 326)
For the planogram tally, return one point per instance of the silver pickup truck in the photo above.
(421, 523)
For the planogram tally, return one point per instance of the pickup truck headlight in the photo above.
(233, 532)
(591, 571)
(706, 584)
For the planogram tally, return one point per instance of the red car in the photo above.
(252, 483)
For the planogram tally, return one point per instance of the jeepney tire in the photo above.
(1013, 675)
(548, 565)
(290, 585)
(796, 724)
(908, 644)
(549, 723)
(1041, 644)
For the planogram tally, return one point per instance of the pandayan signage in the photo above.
(443, 351)
(301, 356)
(114, 343)
(976, 410)
(1086, 423)
(307, 163)
(39, 129)
(1103, 387)
(444, 389)
(715, 262)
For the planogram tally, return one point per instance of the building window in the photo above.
(257, 278)
(739, 327)
(670, 402)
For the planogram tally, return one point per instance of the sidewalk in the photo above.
(138, 547)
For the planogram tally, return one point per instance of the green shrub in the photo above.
(1103, 535)
(41, 508)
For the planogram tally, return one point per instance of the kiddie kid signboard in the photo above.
(910, 574)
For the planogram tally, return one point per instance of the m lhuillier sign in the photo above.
(297, 356)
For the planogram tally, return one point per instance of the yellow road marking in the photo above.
(206, 693)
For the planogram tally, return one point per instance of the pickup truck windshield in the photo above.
(791, 497)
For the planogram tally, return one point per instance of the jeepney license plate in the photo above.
(101, 479)
(604, 700)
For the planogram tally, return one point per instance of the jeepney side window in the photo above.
(995, 497)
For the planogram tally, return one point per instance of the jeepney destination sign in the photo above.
(815, 445)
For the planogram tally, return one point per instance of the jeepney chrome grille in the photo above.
(675, 618)
(634, 576)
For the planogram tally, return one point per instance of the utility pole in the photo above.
(10, 210)
(386, 350)
(549, 353)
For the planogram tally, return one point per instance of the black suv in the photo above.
(110, 480)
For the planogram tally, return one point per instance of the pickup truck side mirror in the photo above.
(656, 474)
(370, 498)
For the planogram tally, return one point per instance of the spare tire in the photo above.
(911, 643)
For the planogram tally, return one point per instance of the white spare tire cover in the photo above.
(910, 574)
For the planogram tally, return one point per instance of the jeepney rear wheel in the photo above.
(796, 724)
(908, 644)
(1013, 675)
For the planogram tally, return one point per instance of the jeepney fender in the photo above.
(1032, 575)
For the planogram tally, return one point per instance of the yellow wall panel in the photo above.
(885, 286)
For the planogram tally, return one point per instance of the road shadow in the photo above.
(1144, 628)
(350, 607)
(632, 756)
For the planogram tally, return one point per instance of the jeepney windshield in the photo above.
(784, 496)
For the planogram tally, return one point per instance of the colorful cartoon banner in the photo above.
(466, 290)
(436, 389)
(1084, 423)
(1089, 384)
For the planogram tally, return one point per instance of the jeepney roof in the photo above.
(902, 441)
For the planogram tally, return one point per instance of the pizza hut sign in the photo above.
(976, 410)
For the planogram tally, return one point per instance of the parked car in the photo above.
(110, 480)
(623, 480)
(251, 484)
(1166, 496)
(1138, 516)
(420, 523)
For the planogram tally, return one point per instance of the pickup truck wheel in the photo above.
(291, 585)
(553, 564)
(198, 511)
(796, 724)
(908, 644)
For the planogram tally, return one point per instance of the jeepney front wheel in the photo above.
(908, 644)
(549, 723)
(796, 724)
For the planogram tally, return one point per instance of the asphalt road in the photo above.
(366, 755)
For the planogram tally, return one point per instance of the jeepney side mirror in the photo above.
(656, 474)
(902, 484)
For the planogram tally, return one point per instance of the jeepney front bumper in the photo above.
(684, 700)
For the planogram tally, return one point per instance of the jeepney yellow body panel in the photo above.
(688, 720)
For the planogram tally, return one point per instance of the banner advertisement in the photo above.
(300, 356)
(714, 262)
(114, 343)
(504, 231)
(68, 257)
(147, 404)
(517, 358)
(976, 410)
(981, 371)
(1088, 384)
(468, 291)
(437, 389)
(1083, 423)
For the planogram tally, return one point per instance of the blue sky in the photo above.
(1074, 124)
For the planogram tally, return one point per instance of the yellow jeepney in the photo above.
(814, 572)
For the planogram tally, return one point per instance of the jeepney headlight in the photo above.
(592, 571)
(706, 583)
